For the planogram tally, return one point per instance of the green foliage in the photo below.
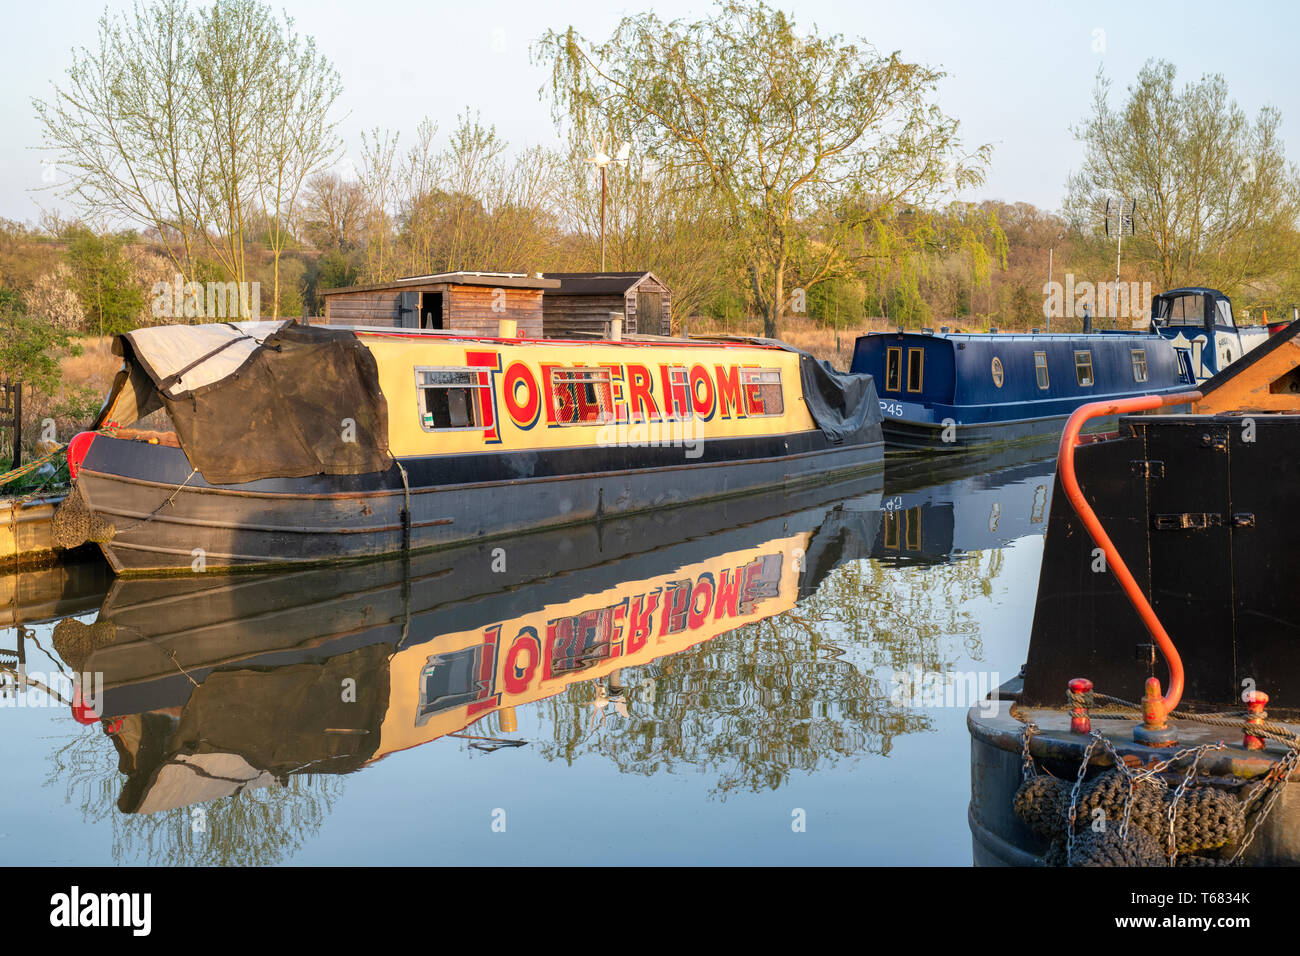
(778, 127)
(31, 348)
(104, 280)
(1217, 201)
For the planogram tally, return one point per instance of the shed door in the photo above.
(409, 310)
(649, 315)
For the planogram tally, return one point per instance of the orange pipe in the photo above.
(1065, 468)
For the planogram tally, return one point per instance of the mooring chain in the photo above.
(1274, 783)
(1074, 795)
(1136, 777)
(1131, 777)
(1182, 789)
(1027, 769)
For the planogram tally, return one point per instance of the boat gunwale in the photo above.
(496, 483)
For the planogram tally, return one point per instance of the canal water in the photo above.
(774, 680)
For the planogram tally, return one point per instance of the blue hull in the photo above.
(955, 392)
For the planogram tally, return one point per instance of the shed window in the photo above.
(449, 398)
(915, 369)
(998, 375)
(762, 388)
(1139, 365)
(1083, 368)
(582, 396)
(893, 369)
(1040, 369)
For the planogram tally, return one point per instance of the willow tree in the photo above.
(1216, 200)
(777, 126)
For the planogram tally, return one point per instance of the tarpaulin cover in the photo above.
(844, 405)
(261, 400)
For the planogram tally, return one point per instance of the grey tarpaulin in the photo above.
(297, 401)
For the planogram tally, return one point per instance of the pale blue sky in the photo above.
(1019, 73)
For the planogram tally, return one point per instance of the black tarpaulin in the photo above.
(844, 405)
(305, 401)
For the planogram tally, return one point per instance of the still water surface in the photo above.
(775, 680)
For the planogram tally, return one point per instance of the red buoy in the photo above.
(82, 712)
(78, 448)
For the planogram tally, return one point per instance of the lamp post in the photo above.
(601, 160)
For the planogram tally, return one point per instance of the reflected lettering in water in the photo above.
(745, 644)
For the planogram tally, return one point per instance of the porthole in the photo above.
(997, 372)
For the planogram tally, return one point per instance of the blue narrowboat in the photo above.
(957, 390)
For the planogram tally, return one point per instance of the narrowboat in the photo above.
(290, 443)
(1200, 320)
(1166, 622)
(1001, 500)
(194, 671)
(946, 391)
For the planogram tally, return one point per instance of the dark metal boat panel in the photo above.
(1203, 512)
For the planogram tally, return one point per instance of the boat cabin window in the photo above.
(450, 680)
(1040, 369)
(912, 529)
(762, 388)
(449, 398)
(1139, 365)
(1083, 368)
(1223, 315)
(915, 368)
(1184, 310)
(893, 369)
(582, 396)
(999, 376)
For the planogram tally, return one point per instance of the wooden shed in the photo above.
(582, 304)
(472, 302)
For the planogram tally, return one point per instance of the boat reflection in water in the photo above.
(945, 522)
(726, 638)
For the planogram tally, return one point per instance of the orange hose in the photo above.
(1065, 468)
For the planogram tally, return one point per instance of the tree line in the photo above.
(774, 172)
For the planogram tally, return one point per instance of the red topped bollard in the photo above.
(1255, 714)
(1154, 731)
(1080, 697)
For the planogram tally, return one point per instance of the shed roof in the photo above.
(507, 280)
(599, 283)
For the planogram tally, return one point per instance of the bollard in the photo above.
(1154, 731)
(1080, 697)
(1255, 714)
(507, 719)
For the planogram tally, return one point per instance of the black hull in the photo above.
(167, 519)
(1204, 517)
